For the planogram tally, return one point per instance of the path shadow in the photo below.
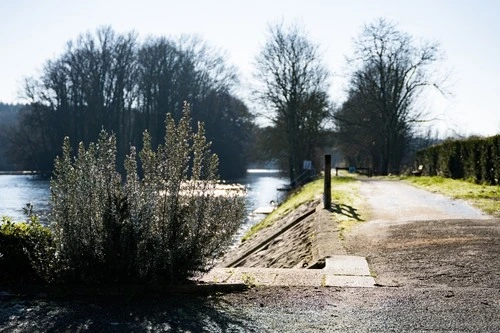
(173, 313)
(346, 210)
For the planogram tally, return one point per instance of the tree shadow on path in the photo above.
(172, 313)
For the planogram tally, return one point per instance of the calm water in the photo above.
(16, 191)
(262, 188)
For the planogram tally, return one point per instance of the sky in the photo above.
(35, 31)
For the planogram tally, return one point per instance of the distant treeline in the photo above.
(114, 82)
(9, 118)
(477, 159)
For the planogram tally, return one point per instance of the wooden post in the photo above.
(327, 189)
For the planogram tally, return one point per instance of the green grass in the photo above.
(344, 198)
(347, 204)
(484, 197)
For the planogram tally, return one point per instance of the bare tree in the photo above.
(90, 87)
(171, 72)
(110, 81)
(292, 88)
(389, 72)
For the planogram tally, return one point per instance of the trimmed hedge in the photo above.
(476, 159)
(26, 249)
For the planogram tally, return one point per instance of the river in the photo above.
(262, 189)
(18, 190)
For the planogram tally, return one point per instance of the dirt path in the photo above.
(417, 238)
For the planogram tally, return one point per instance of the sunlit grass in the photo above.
(347, 204)
(484, 197)
(344, 194)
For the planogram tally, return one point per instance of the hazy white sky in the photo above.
(33, 31)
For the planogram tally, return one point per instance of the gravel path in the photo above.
(435, 260)
(418, 238)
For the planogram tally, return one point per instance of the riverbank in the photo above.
(300, 233)
(291, 246)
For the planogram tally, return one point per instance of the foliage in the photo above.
(389, 72)
(292, 86)
(113, 82)
(485, 197)
(476, 159)
(26, 252)
(163, 227)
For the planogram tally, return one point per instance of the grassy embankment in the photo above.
(345, 203)
(484, 197)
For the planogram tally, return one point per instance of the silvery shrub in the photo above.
(164, 222)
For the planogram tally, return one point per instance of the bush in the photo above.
(26, 252)
(162, 227)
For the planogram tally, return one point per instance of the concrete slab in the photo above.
(349, 281)
(297, 278)
(266, 276)
(286, 277)
(264, 210)
(347, 265)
